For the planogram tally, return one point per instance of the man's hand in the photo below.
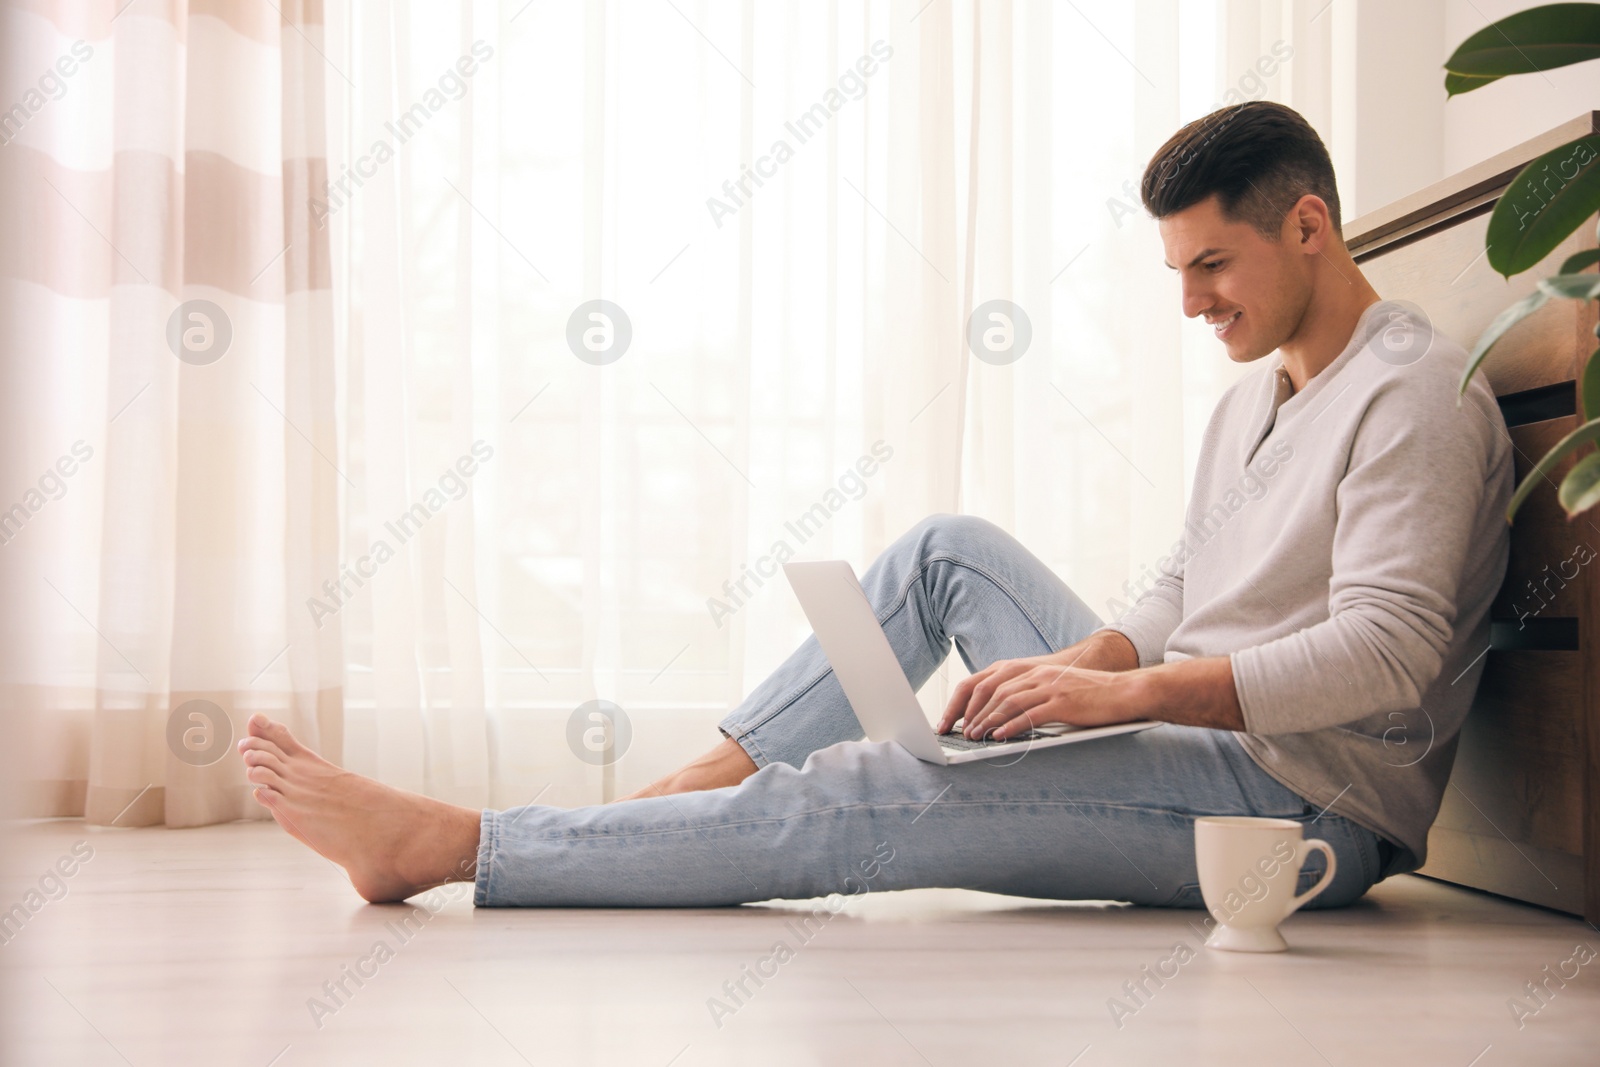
(1013, 696)
(1101, 651)
(1095, 682)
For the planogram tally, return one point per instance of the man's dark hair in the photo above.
(1258, 158)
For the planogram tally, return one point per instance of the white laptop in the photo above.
(877, 687)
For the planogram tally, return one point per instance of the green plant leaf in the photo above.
(1589, 387)
(1540, 38)
(1456, 84)
(1572, 286)
(1543, 205)
(1589, 431)
(1580, 489)
(1581, 261)
(1497, 329)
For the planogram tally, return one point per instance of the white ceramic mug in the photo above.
(1248, 871)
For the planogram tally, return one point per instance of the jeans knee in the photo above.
(952, 534)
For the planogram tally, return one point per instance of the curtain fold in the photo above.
(553, 330)
(181, 355)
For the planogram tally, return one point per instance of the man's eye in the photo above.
(1213, 266)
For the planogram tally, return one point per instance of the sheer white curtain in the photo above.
(797, 207)
(793, 211)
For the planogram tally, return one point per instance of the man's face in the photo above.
(1254, 292)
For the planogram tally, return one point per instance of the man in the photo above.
(1313, 639)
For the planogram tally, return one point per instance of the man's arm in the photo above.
(1194, 692)
(1155, 614)
(1103, 650)
(1425, 481)
(1096, 682)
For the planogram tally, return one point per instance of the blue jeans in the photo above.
(828, 813)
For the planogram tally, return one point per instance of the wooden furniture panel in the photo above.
(1445, 272)
(1509, 822)
(1521, 814)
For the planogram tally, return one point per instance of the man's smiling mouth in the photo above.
(1223, 325)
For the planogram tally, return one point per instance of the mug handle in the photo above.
(1305, 847)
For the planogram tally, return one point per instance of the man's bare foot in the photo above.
(727, 764)
(392, 843)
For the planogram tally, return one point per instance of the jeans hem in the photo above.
(744, 733)
(745, 738)
(488, 845)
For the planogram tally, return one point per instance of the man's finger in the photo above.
(1014, 707)
(1028, 720)
(947, 718)
(960, 698)
(980, 711)
(952, 713)
(1016, 700)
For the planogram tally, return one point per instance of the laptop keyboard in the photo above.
(966, 744)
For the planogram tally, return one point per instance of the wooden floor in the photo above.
(213, 947)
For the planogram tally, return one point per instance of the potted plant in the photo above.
(1543, 206)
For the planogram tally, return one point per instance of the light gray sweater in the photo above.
(1342, 546)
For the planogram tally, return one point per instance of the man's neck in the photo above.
(1342, 294)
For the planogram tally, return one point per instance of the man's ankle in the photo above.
(732, 762)
(727, 764)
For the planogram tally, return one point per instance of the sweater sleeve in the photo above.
(1416, 481)
(1153, 617)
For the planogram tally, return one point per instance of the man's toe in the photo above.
(265, 776)
(270, 730)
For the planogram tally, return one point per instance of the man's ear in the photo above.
(1310, 223)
